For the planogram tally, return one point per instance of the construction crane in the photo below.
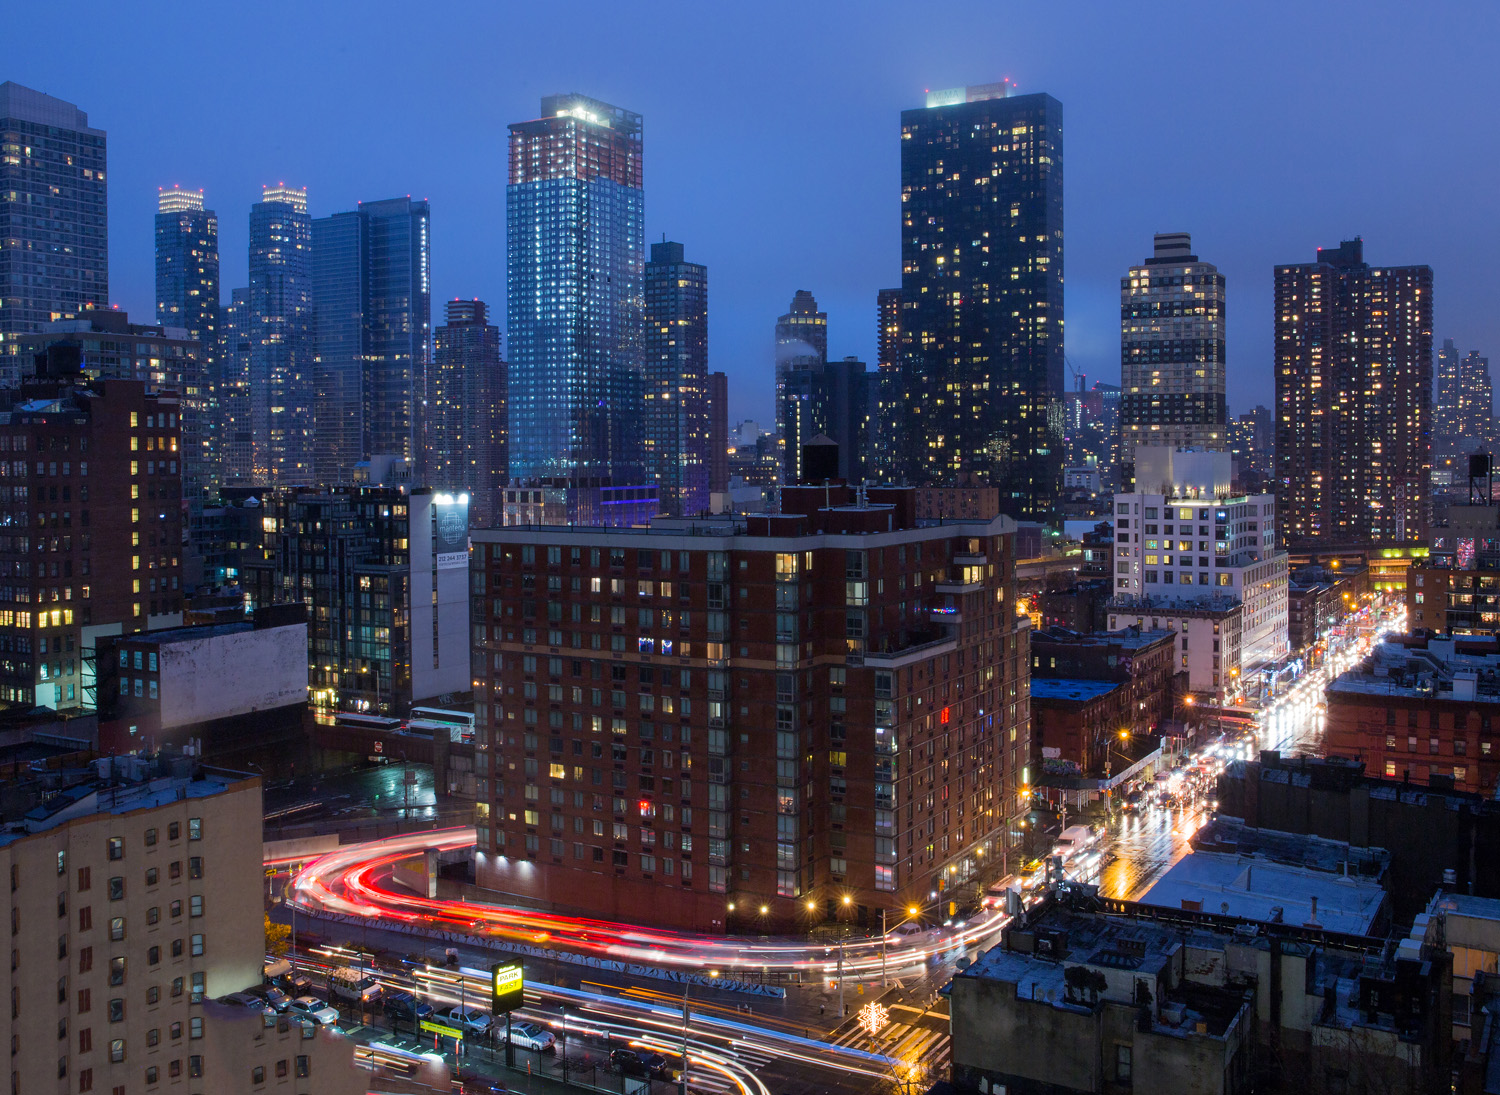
(1078, 376)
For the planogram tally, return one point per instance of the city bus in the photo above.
(459, 725)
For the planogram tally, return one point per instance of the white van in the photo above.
(1073, 841)
(354, 985)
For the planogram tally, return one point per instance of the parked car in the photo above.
(244, 1000)
(273, 996)
(406, 1006)
(356, 986)
(469, 1020)
(640, 1062)
(531, 1036)
(310, 1007)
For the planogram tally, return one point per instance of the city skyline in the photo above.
(1216, 181)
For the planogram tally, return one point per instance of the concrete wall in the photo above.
(439, 563)
(224, 675)
(996, 1034)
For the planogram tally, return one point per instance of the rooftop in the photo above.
(1125, 951)
(1436, 667)
(1255, 888)
(1127, 638)
(188, 634)
(122, 785)
(1053, 688)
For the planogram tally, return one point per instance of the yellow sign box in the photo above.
(432, 1027)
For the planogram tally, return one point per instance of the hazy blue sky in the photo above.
(772, 146)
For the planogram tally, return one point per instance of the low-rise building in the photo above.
(1139, 658)
(1088, 737)
(222, 689)
(1427, 588)
(1278, 878)
(1077, 1001)
(245, 1050)
(1422, 707)
(1318, 598)
(1429, 829)
(1208, 640)
(135, 896)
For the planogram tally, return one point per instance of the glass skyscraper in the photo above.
(372, 297)
(56, 257)
(281, 338)
(676, 375)
(187, 264)
(187, 296)
(575, 214)
(981, 372)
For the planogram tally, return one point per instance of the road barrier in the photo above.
(634, 969)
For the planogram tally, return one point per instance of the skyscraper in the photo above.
(281, 338)
(801, 335)
(372, 298)
(56, 256)
(885, 422)
(187, 265)
(829, 398)
(1476, 403)
(466, 417)
(575, 257)
(1171, 352)
(676, 380)
(981, 380)
(1353, 399)
(236, 442)
(1445, 408)
(718, 432)
(187, 296)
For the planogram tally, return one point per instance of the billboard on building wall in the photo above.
(450, 530)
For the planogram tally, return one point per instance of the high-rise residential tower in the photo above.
(281, 384)
(981, 378)
(676, 380)
(466, 410)
(1353, 400)
(1171, 352)
(1476, 403)
(55, 223)
(372, 298)
(576, 248)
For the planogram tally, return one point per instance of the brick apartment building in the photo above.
(815, 714)
(90, 529)
(1420, 708)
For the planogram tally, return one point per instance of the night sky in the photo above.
(772, 138)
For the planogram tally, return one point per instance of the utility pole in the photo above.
(841, 979)
(683, 1079)
(882, 949)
